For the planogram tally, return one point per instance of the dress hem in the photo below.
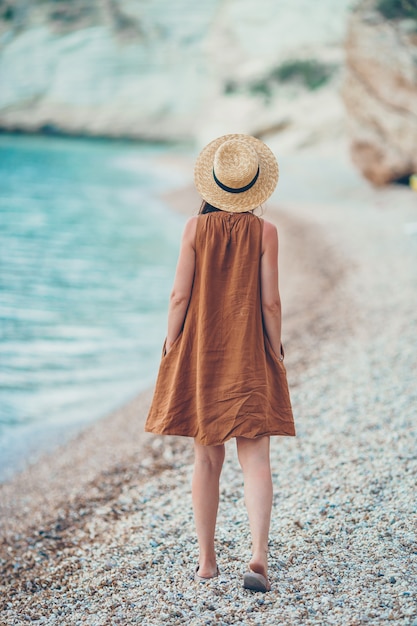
(224, 440)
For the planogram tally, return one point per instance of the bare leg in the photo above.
(208, 463)
(254, 459)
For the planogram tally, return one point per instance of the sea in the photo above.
(88, 250)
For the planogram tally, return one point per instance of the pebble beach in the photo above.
(101, 532)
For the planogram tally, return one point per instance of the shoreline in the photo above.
(47, 329)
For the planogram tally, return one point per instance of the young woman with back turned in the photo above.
(222, 374)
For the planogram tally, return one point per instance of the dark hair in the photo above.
(207, 208)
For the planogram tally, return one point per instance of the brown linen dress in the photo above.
(221, 378)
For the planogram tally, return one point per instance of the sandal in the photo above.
(204, 579)
(255, 582)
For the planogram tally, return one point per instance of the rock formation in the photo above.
(120, 68)
(160, 69)
(380, 94)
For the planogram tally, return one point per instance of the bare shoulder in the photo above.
(269, 235)
(190, 230)
(270, 230)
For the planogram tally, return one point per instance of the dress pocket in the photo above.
(174, 345)
(273, 353)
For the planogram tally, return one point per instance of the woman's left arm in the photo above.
(183, 283)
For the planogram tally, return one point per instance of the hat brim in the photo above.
(236, 202)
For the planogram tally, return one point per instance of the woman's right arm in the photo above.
(183, 283)
(270, 299)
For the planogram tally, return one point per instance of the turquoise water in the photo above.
(87, 254)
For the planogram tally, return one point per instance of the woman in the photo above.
(222, 373)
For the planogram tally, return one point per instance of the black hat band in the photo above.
(234, 190)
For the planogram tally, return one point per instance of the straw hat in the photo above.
(236, 173)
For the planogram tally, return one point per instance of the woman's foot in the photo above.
(256, 578)
(259, 566)
(198, 577)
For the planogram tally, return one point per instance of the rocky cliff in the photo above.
(380, 93)
(165, 70)
(102, 67)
